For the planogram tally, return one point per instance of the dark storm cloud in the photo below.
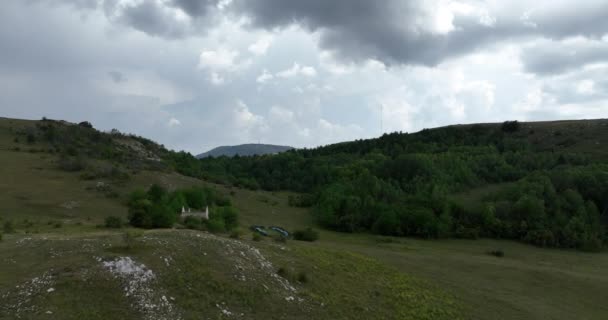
(355, 29)
(152, 18)
(394, 32)
(399, 31)
(195, 8)
(548, 58)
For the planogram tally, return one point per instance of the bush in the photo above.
(86, 124)
(192, 223)
(592, 245)
(31, 138)
(497, 253)
(510, 126)
(306, 235)
(283, 272)
(228, 215)
(8, 227)
(236, 234)
(256, 237)
(302, 277)
(57, 224)
(0, 237)
(113, 222)
(216, 225)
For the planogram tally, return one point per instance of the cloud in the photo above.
(261, 46)
(279, 114)
(151, 17)
(221, 62)
(424, 32)
(220, 59)
(117, 76)
(174, 122)
(297, 70)
(196, 8)
(211, 66)
(548, 57)
(265, 76)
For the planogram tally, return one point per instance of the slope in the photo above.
(244, 150)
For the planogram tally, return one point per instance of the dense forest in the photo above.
(551, 190)
(547, 182)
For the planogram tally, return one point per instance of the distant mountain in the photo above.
(244, 150)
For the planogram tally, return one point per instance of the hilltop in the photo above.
(244, 150)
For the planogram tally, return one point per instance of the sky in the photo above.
(196, 74)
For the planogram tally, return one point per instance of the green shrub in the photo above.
(236, 234)
(497, 253)
(216, 225)
(306, 235)
(192, 223)
(256, 237)
(113, 222)
(8, 227)
(57, 224)
(283, 272)
(510, 126)
(228, 215)
(0, 237)
(31, 138)
(302, 277)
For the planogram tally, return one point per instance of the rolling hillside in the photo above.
(58, 253)
(244, 150)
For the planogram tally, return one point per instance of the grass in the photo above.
(527, 283)
(202, 274)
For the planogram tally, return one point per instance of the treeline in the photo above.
(158, 208)
(402, 184)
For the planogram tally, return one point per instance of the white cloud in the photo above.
(173, 122)
(328, 132)
(279, 114)
(220, 59)
(265, 76)
(297, 70)
(216, 79)
(585, 87)
(244, 118)
(260, 47)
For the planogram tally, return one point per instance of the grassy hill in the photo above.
(244, 150)
(59, 263)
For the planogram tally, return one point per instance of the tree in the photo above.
(156, 193)
(86, 124)
(510, 126)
